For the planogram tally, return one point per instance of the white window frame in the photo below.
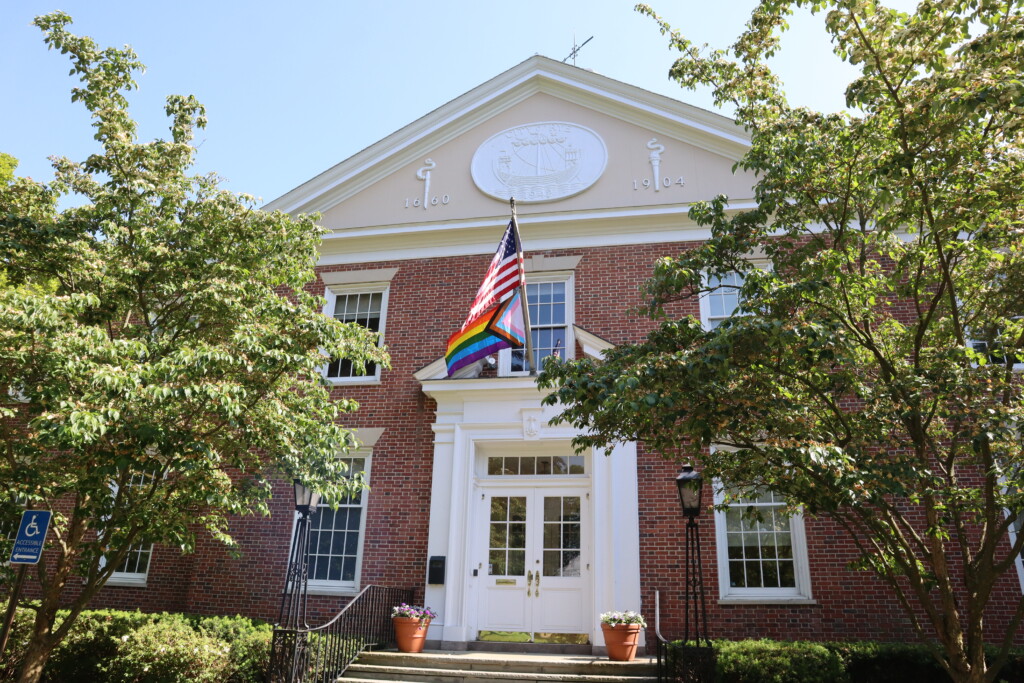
(569, 278)
(131, 579)
(138, 579)
(325, 587)
(799, 594)
(705, 303)
(1011, 534)
(331, 294)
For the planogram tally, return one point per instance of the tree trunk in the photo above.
(36, 655)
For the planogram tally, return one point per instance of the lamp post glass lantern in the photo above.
(306, 499)
(690, 486)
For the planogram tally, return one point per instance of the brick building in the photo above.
(534, 538)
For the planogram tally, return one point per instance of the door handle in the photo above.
(529, 580)
(536, 588)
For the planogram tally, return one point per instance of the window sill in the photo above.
(766, 600)
(352, 381)
(127, 581)
(342, 591)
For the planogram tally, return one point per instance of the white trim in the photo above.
(662, 115)
(129, 579)
(541, 263)
(1018, 561)
(591, 344)
(490, 413)
(354, 277)
(331, 294)
(728, 595)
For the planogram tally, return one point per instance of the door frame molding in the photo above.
(478, 412)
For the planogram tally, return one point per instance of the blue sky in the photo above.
(292, 88)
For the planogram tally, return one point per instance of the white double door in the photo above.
(534, 563)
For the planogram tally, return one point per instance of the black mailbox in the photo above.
(435, 570)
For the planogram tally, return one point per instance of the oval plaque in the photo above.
(539, 162)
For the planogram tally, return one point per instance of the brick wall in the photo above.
(427, 302)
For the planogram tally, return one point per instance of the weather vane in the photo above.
(576, 50)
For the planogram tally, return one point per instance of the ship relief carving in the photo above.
(539, 162)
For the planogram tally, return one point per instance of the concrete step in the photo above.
(491, 667)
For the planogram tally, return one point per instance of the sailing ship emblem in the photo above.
(539, 162)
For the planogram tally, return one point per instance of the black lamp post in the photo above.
(694, 663)
(288, 650)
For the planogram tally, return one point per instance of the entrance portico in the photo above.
(538, 540)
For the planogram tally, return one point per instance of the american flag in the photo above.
(505, 274)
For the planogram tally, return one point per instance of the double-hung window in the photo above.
(363, 304)
(722, 299)
(762, 550)
(134, 569)
(551, 316)
(336, 539)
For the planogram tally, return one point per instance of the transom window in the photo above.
(762, 552)
(534, 466)
(364, 306)
(336, 539)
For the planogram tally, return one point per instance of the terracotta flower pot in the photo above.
(410, 633)
(621, 641)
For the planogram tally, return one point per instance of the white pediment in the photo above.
(586, 154)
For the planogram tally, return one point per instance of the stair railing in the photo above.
(328, 650)
(661, 644)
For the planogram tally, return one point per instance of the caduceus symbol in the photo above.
(656, 149)
(424, 175)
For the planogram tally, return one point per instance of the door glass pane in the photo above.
(499, 508)
(561, 536)
(507, 536)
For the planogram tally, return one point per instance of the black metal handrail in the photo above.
(678, 661)
(661, 646)
(323, 653)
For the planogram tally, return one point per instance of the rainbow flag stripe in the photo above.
(500, 327)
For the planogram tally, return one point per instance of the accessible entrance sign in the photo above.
(28, 546)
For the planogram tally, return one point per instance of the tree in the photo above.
(868, 372)
(175, 368)
(7, 166)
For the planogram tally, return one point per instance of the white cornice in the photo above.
(555, 230)
(592, 345)
(484, 389)
(538, 74)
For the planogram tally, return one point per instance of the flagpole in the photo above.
(522, 291)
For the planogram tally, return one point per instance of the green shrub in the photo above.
(21, 630)
(870, 662)
(170, 650)
(765, 661)
(250, 645)
(105, 645)
(92, 644)
(1013, 670)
